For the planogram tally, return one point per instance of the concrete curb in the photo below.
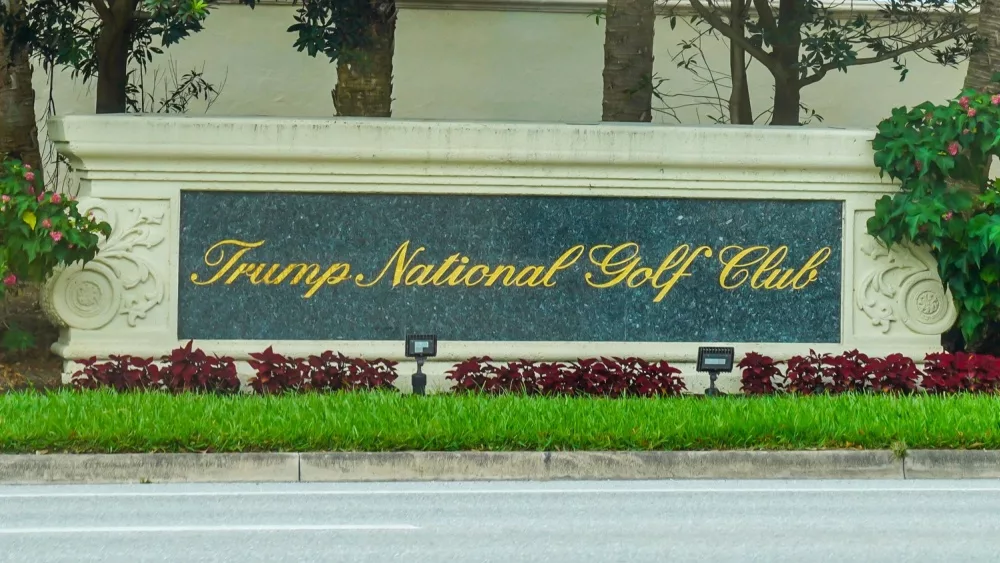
(480, 466)
(148, 468)
(450, 466)
(952, 464)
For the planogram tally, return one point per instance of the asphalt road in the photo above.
(704, 521)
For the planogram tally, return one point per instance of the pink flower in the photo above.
(56, 236)
(40, 197)
(953, 148)
(5, 198)
(972, 112)
(964, 102)
(31, 191)
(56, 198)
(47, 224)
(30, 176)
(995, 100)
(27, 167)
(10, 280)
(947, 216)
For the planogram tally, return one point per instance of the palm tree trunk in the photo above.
(985, 62)
(364, 77)
(18, 126)
(628, 60)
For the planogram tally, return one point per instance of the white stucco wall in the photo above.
(474, 64)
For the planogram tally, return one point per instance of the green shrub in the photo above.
(39, 231)
(940, 154)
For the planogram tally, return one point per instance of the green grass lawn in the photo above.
(106, 422)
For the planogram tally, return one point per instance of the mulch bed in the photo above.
(37, 368)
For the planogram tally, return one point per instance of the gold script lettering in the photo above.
(219, 249)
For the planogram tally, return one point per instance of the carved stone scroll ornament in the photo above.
(121, 279)
(902, 285)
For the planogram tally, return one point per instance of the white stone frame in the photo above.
(133, 168)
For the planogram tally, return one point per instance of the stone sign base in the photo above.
(514, 241)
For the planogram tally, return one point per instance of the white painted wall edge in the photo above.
(675, 7)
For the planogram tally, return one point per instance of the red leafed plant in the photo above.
(953, 373)
(760, 376)
(556, 378)
(326, 372)
(599, 376)
(276, 373)
(364, 374)
(805, 374)
(515, 377)
(649, 379)
(893, 374)
(472, 375)
(848, 372)
(190, 369)
(121, 373)
(603, 377)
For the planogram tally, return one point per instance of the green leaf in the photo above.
(990, 273)
(16, 340)
(970, 323)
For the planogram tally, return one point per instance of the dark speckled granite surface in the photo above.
(365, 229)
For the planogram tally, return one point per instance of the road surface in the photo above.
(557, 522)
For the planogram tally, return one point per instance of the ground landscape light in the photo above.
(421, 347)
(714, 360)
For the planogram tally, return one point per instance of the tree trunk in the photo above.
(364, 77)
(740, 111)
(986, 61)
(112, 57)
(787, 90)
(628, 60)
(787, 97)
(18, 127)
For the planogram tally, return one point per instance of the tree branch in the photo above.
(765, 16)
(103, 9)
(919, 45)
(713, 19)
